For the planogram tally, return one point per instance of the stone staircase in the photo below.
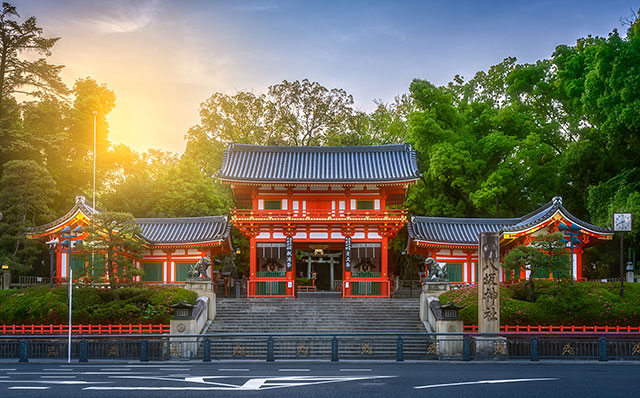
(316, 313)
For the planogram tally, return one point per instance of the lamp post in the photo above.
(53, 243)
(67, 243)
(622, 223)
(573, 233)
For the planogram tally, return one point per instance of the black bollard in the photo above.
(83, 351)
(206, 346)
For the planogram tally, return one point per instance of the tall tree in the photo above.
(307, 113)
(117, 236)
(26, 195)
(19, 74)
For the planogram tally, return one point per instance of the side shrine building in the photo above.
(324, 213)
(171, 245)
(454, 241)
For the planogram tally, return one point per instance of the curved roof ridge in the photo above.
(347, 148)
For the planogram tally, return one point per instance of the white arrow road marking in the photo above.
(466, 383)
(254, 384)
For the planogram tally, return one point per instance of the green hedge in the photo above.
(556, 303)
(41, 305)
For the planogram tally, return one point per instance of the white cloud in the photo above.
(124, 17)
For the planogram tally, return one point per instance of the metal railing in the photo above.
(326, 346)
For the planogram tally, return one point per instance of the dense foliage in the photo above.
(556, 303)
(499, 144)
(42, 305)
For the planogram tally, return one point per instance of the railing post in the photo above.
(466, 348)
(144, 350)
(604, 355)
(399, 349)
(270, 350)
(534, 348)
(24, 351)
(206, 347)
(83, 351)
(334, 349)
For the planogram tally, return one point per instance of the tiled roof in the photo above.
(455, 230)
(549, 210)
(179, 230)
(466, 230)
(184, 229)
(382, 163)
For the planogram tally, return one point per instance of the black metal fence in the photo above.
(334, 347)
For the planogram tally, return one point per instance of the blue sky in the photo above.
(163, 58)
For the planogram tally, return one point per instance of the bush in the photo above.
(556, 303)
(41, 305)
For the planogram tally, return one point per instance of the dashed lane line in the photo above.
(58, 377)
(233, 370)
(355, 370)
(28, 388)
(294, 370)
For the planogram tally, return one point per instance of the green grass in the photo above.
(556, 303)
(41, 305)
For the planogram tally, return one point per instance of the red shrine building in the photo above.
(323, 213)
(171, 245)
(454, 241)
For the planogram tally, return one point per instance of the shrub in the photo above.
(41, 305)
(556, 303)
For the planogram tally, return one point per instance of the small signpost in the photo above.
(622, 222)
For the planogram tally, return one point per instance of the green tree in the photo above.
(117, 235)
(21, 75)
(26, 195)
(546, 255)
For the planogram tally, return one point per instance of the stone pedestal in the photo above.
(449, 346)
(630, 277)
(431, 290)
(486, 348)
(6, 280)
(204, 288)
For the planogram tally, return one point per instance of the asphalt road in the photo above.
(343, 379)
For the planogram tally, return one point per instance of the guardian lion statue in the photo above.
(436, 271)
(199, 269)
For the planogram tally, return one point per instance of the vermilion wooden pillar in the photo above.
(252, 258)
(384, 260)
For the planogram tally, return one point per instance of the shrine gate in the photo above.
(327, 212)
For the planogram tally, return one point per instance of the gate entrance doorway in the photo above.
(324, 267)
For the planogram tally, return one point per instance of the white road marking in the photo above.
(263, 383)
(28, 388)
(58, 376)
(466, 383)
(55, 381)
(117, 373)
(355, 370)
(1, 369)
(114, 369)
(4, 377)
(172, 369)
(58, 370)
(232, 370)
(294, 370)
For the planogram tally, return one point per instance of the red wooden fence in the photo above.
(559, 329)
(84, 329)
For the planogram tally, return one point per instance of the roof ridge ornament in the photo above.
(81, 200)
(557, 200)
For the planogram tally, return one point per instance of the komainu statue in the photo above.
(199, 269)
(436, 271)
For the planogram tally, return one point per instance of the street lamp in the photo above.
(69, 244)
(53, 243)
(573, 233)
